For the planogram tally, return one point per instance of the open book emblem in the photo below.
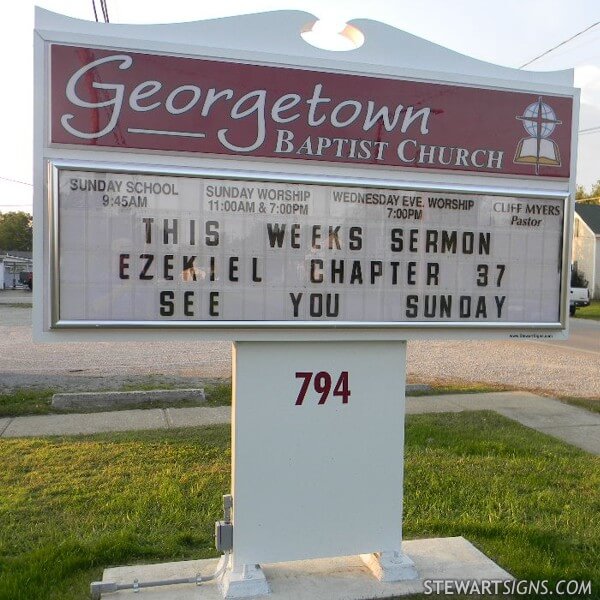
(539, 121)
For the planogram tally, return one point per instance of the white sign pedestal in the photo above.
(318, 453)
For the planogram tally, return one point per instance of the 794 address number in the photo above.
(322, 384)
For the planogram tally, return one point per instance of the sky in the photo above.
(508, 33)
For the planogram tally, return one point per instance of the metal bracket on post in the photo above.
(390, 566)
(224, 528)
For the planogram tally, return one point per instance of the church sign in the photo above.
(218, 194)
(222, 180)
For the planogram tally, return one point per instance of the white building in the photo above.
(586, 245)
(12, 266)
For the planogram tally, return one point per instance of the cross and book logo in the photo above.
(539, 121)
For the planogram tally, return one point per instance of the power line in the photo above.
(16, 181)
(104, 8)
(589, 130)
(561, 44)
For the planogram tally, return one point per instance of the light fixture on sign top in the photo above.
(329, 34)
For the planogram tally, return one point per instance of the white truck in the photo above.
(580, 296)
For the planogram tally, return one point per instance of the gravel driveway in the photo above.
(554, 369)
(525, 365)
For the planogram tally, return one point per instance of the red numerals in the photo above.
(302, 393)
(342, 387)
(321, 384)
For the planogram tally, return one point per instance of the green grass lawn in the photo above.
(589, 312)
(443, 388)
(71, 506)
(25, 402)
(591, 404)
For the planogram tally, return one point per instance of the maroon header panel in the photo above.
(129, 100)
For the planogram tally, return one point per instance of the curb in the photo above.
(87, 400)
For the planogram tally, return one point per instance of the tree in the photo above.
(578, 278)
(16, 231)
(591, 197)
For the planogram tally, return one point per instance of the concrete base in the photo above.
(390, 566)
(345, 578)
(247, 582)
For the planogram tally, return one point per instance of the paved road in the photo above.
(567, 368)
(583, 335)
